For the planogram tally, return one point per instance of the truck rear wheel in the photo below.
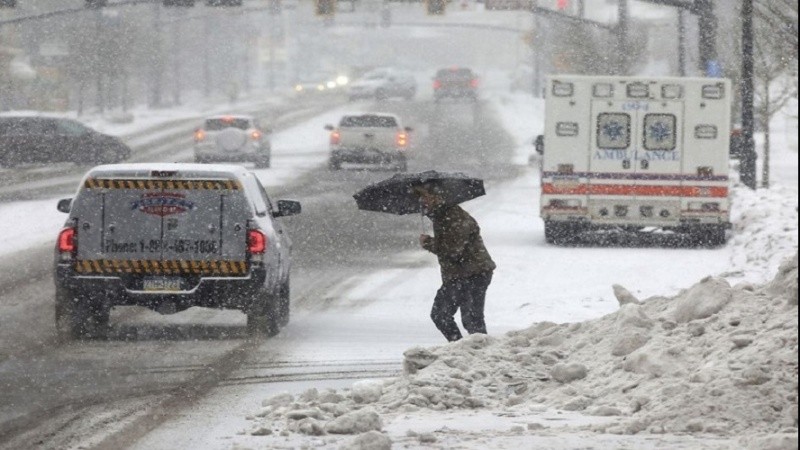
(78, 318)
(284, 304)
(334, 164)
(262, 317)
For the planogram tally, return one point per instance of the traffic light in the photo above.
(93, 4)
(325, 7)
(179, 3)
(435, 7)
(8, 3)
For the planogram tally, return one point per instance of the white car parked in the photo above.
(384, 83)
(232, 138)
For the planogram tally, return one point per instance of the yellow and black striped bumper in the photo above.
(94, 183)
(161, 267)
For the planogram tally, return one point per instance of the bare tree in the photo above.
(773, 80)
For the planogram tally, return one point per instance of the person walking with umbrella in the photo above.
(465, 264)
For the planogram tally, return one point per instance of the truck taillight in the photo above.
(336, 138)
(199, 135)
(437, 84)
(255, 135)
(401, 139)
(473, 83)
(256, 242)
(66, 240)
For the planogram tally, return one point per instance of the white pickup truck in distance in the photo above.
(169, 237)
(631, 153)
(371, 138)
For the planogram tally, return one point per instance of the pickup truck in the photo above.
(371, 138)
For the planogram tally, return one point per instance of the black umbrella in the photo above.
(396, 194)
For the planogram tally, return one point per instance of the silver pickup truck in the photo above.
(169, 237)
(372, 138)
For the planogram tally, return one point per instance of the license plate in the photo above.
(162, 284)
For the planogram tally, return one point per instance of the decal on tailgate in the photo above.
(162, 203)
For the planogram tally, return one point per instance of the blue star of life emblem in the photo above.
(613, 130)
(660, 132)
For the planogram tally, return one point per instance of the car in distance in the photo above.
(383, 83)
(455, 83)
(232, 138)
(370, 138)
(43, 139)
(168, 237)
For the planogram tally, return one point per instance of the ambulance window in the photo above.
(613, 130)
(713, 91)
(638, 90)
(603, 90)
(671, 91)
(567, 129)
(561, 89)
(705, 132)
(659, 132)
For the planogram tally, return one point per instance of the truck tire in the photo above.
(334, 164)
(402, 164)
(262, 317)
(559, 233)
(284, 304)
(263, 162)
(80, 319)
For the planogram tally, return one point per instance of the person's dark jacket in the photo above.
(458, 244)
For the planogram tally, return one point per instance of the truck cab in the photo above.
(633, 153)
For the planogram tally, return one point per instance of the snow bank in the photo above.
(716, 359)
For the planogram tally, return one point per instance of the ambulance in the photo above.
(636, 154)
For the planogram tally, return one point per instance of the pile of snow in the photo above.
(715, 359)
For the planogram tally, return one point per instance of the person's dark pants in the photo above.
(468, 294)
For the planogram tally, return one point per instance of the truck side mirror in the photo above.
(539, 144)
(408, 129)
(287, 208)
(329, 127)
(64, 205)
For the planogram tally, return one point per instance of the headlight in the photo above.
(342, 80)
(298, 88)
(330, 84)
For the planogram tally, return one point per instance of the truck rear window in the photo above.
(454, 75)
(368, 121)
(221, 124)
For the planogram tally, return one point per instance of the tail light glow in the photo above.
(66, 240)
(199, 135)
(437, 84)
(256, 242)
(401, 139)
(336, 137)
(255, 135)
(473, 83)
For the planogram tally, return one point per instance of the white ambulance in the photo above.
(634, 153)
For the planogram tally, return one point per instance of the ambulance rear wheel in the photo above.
(559, 233)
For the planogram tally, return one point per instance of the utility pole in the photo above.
(98, 61)
(707, 24)
(176, 55)
(536, 49)
(681, 42)
(747, 162)
(206, 55)
(157, 59)
(623, 49)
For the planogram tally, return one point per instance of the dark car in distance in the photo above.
(455, 83)
(41, 139)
